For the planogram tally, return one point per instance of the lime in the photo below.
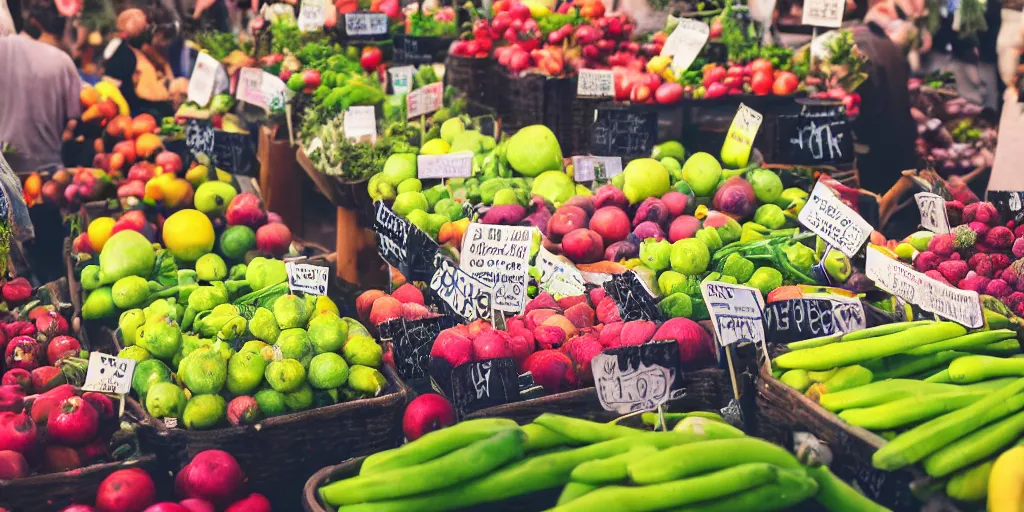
(271, 402)
(362, 350)
(290, 312)
(148, 373)
(235, 241)
(253, 346)
(129, 323)
(204, 372)
(204, 411)
(327, 332)
(135, 352)
(165, 400)
(286, 375)
(327, 371)
(245, 372)
(161, 336)
(300, 399)
(295, 344)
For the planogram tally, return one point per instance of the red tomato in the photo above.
(761, 65)
(370, 58)
(762, 83)
(785, 84)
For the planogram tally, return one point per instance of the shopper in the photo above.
(39, 89)
(1010, 42)
(142, 84)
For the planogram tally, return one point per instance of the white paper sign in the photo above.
(109, 374)
(500, 257)
(203, 81)
(823, 13)
(736, 312)
(262, 89)
(312, 15)
(961, 306)
(401, 79)
(640, 388)
(595, 83)
(558, 276)
(305, 278)
(933, 212)
(451, 165)
(837, 224)
(685, 43)
(425, 100)
(595, 168)
(468, 296)
(366, 23)
(359, 122)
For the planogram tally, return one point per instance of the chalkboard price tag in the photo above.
(933, 212)
(819, 135)
(305, 278)
(411, 341)
(200, 137)
(595, 168)
(403, 245)
(425, 100)
(624, 131)
(839, 225)
(366, 24)
(595, 83)
(634, 299)
(800, 319)
(482, 384)
(637, 378)
(451, 165)
(109, 374)
(468, 297)
(736, 312)
(500, 257)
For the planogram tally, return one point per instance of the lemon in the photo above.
(99, 232)
(435, 147)
(188, 234)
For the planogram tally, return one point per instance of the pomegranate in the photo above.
(254, 502)
(427, 413)
(213, 475)
(126, 490)
(74, 422)
(17, 432)
(22, 352)
(62, 346)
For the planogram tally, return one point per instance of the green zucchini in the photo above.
(436, 444)
(970, 484)
(966, 342)
(880, 392)
(940, 377)
(853, 352)
(464, 464)
(692, 459)
(611, 470)
(975, 446)
(883, 330)
(923, 440)
(837, 496)
(970, 369)
(988, 385)
(910, 410)
(653, 419)
(790, 491)
(848, 378)
(822, 376)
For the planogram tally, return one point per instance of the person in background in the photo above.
(1010, 42)
(39, 90)
(142, 83)
(6, 20)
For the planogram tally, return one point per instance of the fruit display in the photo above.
(947, 400)
(953, 136)
(702, 462)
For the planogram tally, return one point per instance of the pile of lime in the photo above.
(297, 354)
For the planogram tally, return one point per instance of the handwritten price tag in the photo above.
(203, 80)
(469, 297)
(262, 89)
(595, 83)
(109, 374)
(311, 279)
(933, 212)
(837, 224)
(366, 23)
(745, 125)
(451, 165)
(401, 79)
(360, 123)
(637, 378)
(823, 13)
(500, 257)
(736, 312)
(685, 43)
(558, 276)
(312, 15)
(595, 168)
(425, 100)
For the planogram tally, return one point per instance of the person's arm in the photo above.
(73, 88)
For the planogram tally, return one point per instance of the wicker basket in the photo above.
(471, 76)
(541, 500)
(536, 99)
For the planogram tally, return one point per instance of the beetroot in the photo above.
(254, 502)
(73, 423)
(16, 291)
(695, 344)
(126, 490)
(22, 352)
(552, 370)
(735, 197)
(60, 347)
(17, 432)
(213, 475)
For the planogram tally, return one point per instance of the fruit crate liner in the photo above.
(471, 76)
(536, 99)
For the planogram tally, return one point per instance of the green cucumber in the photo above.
(907, 411)
(977, 368)
(692, 459)
(814, 342)
(464, 464)
(436, 444)
(790, 491)
(880, 392)
(941, 377)
(966, 342)
(970, 484)
(848, 353)
(901, 365)
(583, 431)
(611, 470)
(653, 419)
(975, 446)
(846, 378)
(837, 496)
(1005, 348)
(822, 376)
(883, 330)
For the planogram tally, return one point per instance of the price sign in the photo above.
(685, 43)
(109, 374)
(312, 15)
(828, 217)
(305, 278)
(411, 341)
(819, 135)
(595, 168)
(595, 83)
(425, 100)
(262, 89)
(799, 319)
(637, 378)
(558, 276)
(401, 79)
(403, 245)
(500, 257)
(961, 306)
(633, 297)
(823, 13)
(199, 137)
(451, 165)
(482, 384)
(360, 122)
(469, 297)
(736, 312)
(933, 212)
(744, 126)
(624, 131)
(203, 81)
(366, 23)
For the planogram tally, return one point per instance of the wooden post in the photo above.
(349, 243)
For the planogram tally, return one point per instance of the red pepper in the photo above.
(20, 328)
(17, 290)
(370, 58)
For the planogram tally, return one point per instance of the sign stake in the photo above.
(732, 373)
